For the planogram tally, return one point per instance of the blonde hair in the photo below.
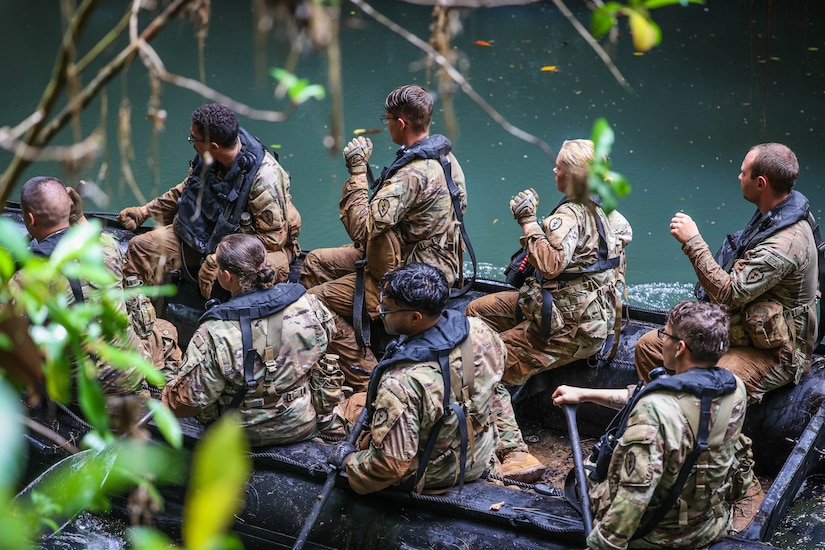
(573, 158)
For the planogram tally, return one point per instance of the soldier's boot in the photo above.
(521, 466)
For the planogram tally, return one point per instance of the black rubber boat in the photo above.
(787, 429)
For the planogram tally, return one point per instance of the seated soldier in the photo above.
(286, 331)
(48, 208)
(409, 410)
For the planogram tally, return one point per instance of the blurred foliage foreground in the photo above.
(46, 350)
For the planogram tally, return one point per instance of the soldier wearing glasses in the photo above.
(234, 185)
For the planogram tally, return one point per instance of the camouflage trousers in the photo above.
(527, 352)
(759, 369)
(153, 255)
(160, 348)
(327, 264)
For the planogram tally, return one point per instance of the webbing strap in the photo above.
(253, 348)
(820, 247)
(360, 315)
(690, 460)
(455, 195)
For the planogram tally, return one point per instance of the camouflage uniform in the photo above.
(783, 267)
(647, 461)
(408, 404)
(213, 373)
(584, 309)
(159, 346)
(415, 205)
(274, 220)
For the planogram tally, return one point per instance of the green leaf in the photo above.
(146, 538)
(221, 467)
(602, 138)
(13, 240)
(654, 4)
(12, 438)
(602, 21)
(313, 91)
(91, 398)
(81, 241)
(166, 423)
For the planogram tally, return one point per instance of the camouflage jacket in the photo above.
(568, 241)
(113, 380)
(783, 268)
(409, 403)
(647, 461)
(274, 219)
(414, 203)
(281, 410)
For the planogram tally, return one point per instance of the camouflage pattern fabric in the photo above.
(408, 405)
(281, 409)
(274, 220)
(584, 309)
(647, 462)
(782, 268)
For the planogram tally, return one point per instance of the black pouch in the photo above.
(518, 269)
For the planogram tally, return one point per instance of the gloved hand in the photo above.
(524, 205)
(207, 275)
(76, 213)
(357, 153)
(341, 451)
(133, 217)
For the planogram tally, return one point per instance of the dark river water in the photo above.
(726, 76)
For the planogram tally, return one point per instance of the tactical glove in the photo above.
(524, 206)
(133, 217)
(76, 213)
(207, 275)
(341, 451)
(357, 154)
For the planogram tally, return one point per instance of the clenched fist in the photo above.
(524, 206)
(133, 217)
(357, 154)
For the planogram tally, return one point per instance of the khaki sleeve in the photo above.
(164, 207)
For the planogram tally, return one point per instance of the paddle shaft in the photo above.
(329, 484)
(578, 464)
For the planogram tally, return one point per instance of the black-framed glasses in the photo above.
(383, 312)
(192, 139)
(386, 119)
(661, 332)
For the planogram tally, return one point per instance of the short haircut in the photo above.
(778, 164)
(413, 103)
(573, 157)
(245, 257)
(417, 286)
(217, 123)
(46, 197)
(703, 326)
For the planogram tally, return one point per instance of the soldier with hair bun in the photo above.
(286, 332)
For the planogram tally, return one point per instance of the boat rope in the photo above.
(539, 488)
(316, 467)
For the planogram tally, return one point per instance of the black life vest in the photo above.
(209, 209)
(432, 345)
(245, 307)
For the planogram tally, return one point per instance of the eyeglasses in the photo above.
(662, 335)
(191, 139)
(386, 119)
(383, 312)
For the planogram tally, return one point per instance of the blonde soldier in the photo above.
(566, 310)
(408, 411)
(48, 207)
(286, 332)
(767, 278)
(409, 218)
(633, 484)
(234, 185)
(564, 250)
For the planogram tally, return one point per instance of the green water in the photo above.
(715, 87)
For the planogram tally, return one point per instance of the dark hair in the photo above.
(413, 103)
(245, 257)
(46, 197)
(217, 123)
(778, 164)
(704, 328)
(417, 286)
